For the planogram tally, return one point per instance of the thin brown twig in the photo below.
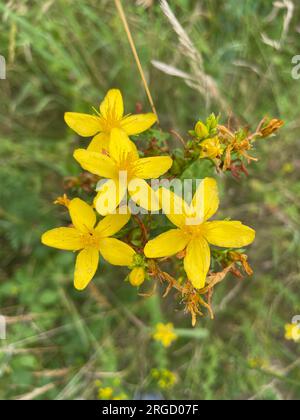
(121, 12)
(35, 350)
(142, 227)
(20, 318)
(36, 392)
(51, 373)
(178, 136)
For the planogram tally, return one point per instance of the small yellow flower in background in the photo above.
(258, 363)
(194, 233)
(125, 170)
(110, 391)
(292, 332)
(90, 240)
(111, 116)
(165, 378)
(288, 168)
(211, 148)
(105, 393)
(164, 333)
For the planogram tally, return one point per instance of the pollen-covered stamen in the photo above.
(126, 164)
(109, 122)
(193, 230)
(111, 119)
(91, 239)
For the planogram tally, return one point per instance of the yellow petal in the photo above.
(69, 239)
(228, 234)
(116, 252)
(205, 202)
(100, 143)
(83, 124)
(166, 244)
(197, 262)
(85, 268)
(96, 163)
(112, 107)
(174, 207)
(82, 215)
(135, 124)
(112, 223)
(109, 196)
(143, 195)
(121, 148)
(152, 167)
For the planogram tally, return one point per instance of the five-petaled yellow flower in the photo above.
(125, 170)
(292, 332)
(164, 333)
(194, 233)
(111, 116)
(90, 240)
(211, 148)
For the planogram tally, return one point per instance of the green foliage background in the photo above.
(62, 56)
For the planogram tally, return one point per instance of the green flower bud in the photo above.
(201, 130)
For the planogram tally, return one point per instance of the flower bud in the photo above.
(137, 276)
(201, 130)
(271, 127)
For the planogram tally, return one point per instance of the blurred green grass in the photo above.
(63, 56)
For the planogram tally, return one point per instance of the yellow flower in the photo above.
(165, 378)
(165, 334)
(125, 171)
(90, 240)
(211, 148)
(137, 276)
(292, 332)
(105, 393)
(111, 116)
(194, 233)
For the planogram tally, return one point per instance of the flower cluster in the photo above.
(228, 150)
(110, 152)
(127, 204)
(164, 378)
